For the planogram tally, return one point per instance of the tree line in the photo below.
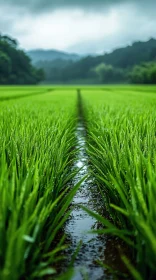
(15, 65)
(144, 73)
(132, 64)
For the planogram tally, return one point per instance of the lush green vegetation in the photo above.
(36, 156)
(8, 93)
(144, 74)
(134, 64)
(15, 65)
(121, 146)
(131, 64)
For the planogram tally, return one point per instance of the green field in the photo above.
(38, 149)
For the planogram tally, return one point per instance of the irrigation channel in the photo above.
(92, 247)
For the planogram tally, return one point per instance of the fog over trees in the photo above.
(131, 64)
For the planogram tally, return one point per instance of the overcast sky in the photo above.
(82, 26)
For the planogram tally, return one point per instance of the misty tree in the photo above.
(144, 73)
(5, 67)
(15, 65)
(109, 74)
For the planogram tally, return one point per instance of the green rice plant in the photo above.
(37, 137)
(121, 136)
(15, 92)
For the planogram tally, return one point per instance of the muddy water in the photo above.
(94, 247)
(80, 223)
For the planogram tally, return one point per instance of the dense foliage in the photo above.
(38, 150)
(121, 147)
(35, 168)
(132, 64)
(114, 67)
(15, 65)
(108, 74)
(144, 74)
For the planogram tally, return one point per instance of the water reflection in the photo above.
(80, 222)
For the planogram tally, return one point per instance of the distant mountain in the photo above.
(51, 55)
(129, 56)
(123, 58)
(61, 67)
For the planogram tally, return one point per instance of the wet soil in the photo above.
(80, 222)
(93, 247)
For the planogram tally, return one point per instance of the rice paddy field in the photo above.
(78, 182)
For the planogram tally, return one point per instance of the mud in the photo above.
(94, 247)
(80, 223)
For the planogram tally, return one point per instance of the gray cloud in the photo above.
(56, 24)
(133, 28)
(42, 5)
(56, 4)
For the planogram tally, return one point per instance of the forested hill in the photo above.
(135, 63)
(137, 53)
(116, 67)
(125, 57)
(15, 65)
(50, 55)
